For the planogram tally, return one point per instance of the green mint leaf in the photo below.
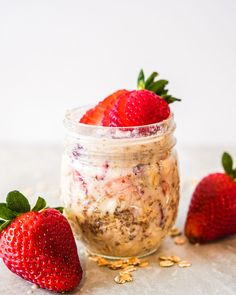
(150, 79)
(170, 99)
(141, 80)
(4, 225)
(227, 163)
(17, 202)
(158, 86)
(59, 209)
(2, 221)
(40, 204)
(6, 213)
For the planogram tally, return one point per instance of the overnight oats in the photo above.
(120, 182)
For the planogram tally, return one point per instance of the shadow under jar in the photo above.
(120, 186)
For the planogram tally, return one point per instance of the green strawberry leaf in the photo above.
(158, 86)
(17, 202)
(6, 213)
(161, 90)
(40, 204)
(2, 221)
(141, 80)
(150, 79)
(164, 92)
(227, 163)
(234, 173)
(60, 209)
(170, 99)
(4, 225)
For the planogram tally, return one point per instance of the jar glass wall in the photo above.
(120, 186)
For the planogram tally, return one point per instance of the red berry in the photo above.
(133, 108)
(40, 247)
(138, 108)
(212, 212)
(95, 115)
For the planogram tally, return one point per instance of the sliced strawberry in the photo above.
(138, 108)
(112, 116)
(95, 115)
(125, 108)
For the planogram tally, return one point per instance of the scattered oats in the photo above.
(196, 244)
(102, 262)
(144, 264)
(162, 257)
(133, 261)
(34, 287)
(116, 264)
(128, 269)
(124, 265)
(174, 232)
(166, 263)
(123, 278)
(174, 258)
(184, 263)
(181, 240)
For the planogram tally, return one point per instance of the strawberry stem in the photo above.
(16, 205)
(150, 79)
(141, 80)
(4, 224)
(158, 86)
(40, 204)
(17, 202)
(60, 209)
(227, 162)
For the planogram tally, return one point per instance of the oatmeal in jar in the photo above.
(120, 187)
(120, 183)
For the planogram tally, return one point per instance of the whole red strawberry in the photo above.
(38, 245)
(212, 211)
(149, 104)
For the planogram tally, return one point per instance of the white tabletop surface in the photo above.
(35, 170)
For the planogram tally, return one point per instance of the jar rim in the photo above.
(72, 124)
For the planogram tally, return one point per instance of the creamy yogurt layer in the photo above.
(121, 196)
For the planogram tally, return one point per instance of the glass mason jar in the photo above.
(120, 185)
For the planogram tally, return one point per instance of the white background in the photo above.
(56, 55)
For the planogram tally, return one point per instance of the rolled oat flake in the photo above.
(184, 263)
(123, 278)
(166, 263)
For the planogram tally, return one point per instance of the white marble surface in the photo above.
(35, 170)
